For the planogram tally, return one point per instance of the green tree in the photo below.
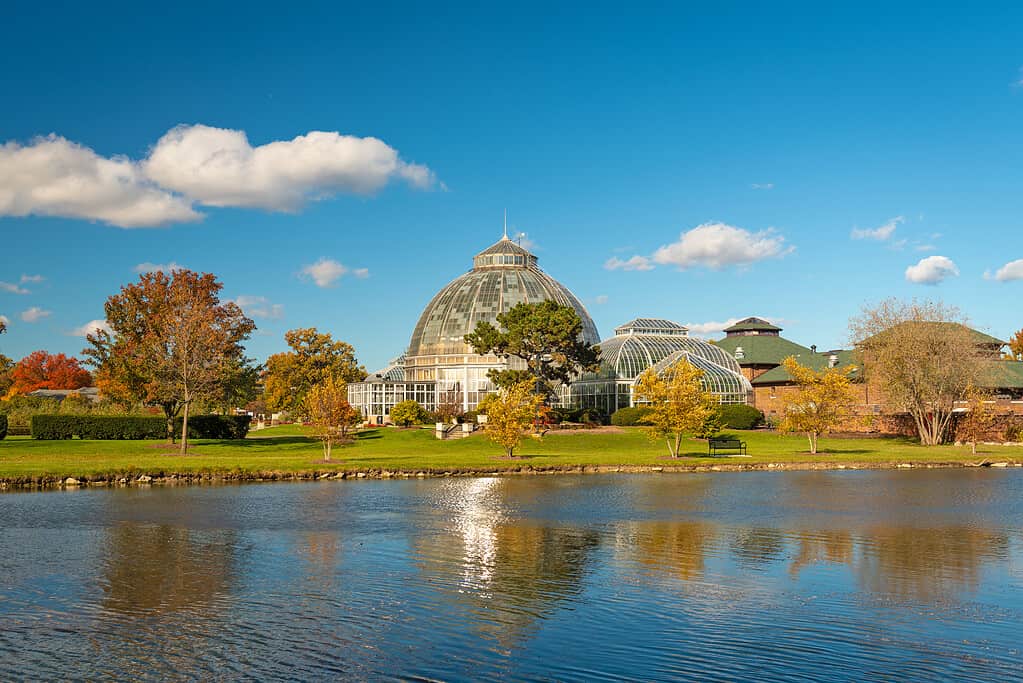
(821, 401)
(171, 342)
(678, 403)
(546, 336)
(313, 357)
(407, 413)
(510, 413)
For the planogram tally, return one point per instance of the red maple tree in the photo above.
(42, 370)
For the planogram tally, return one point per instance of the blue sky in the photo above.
(752, 142)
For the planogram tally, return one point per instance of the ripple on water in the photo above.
(713, 577)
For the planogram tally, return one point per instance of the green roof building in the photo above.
(758, 347)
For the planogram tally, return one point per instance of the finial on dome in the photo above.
(505, 225)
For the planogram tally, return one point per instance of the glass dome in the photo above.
(503, 275)
(655, 343)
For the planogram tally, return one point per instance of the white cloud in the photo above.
(34, 314)
(326, 272)
(35, 279)
(717, 245)
(149, 267)
(925, 247)
(762, 186)
(260, 307)
(600, 299)
(522, 239)
(880, 233)
(1013, 270)
(12, 288)
(633, 263)
(52, 176)
(711, 327)
(219, 167)
(90, 327)
(932, 270)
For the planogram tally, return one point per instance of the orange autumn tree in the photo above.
(171, 342)
(42, 370)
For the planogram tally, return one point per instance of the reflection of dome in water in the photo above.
(502, 276)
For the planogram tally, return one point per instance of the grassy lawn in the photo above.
(288, 449)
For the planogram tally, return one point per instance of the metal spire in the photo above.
(505, 224)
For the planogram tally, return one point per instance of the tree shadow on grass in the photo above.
(263, 441)
(368, 434)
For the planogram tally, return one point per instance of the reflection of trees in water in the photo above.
(165, 569)
(757, 546)
(672, 547)
(924, 564)
(165, 589)
(509, 573)
(812, 547)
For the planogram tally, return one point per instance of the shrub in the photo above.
(629, 417)
(125, 427)
(407, 413)
(214, 426)
(109, 427)
(3, 427)
(54, 427)
(741, 417)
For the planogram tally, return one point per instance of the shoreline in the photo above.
(169, 478)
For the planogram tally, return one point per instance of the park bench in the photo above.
(715, 445)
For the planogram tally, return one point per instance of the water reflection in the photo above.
(510, 572)
(674, 548)
(161, 569)
(925, 563)
(520, 578)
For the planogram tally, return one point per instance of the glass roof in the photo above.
(644, 342)
(503, 275)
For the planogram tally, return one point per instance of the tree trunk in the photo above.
(168, 412)
(326, 450)
(973, 447)
(184, 429)
(678, 443)
(813, 443)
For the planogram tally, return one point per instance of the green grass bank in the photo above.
(288, 453)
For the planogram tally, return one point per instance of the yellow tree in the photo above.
(976, 423)
(821, 401)
(1016, 345)
(333, 417)
(678, 403)
(313, 356)
(510, 414)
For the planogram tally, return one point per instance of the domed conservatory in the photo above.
(439, 368)
(659, 344)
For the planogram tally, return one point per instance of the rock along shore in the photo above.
(164, 478)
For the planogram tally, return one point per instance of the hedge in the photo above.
(120, 427)
(741, 417)
(3, 427)
(628, 417)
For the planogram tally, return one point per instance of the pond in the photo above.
(836, 575)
